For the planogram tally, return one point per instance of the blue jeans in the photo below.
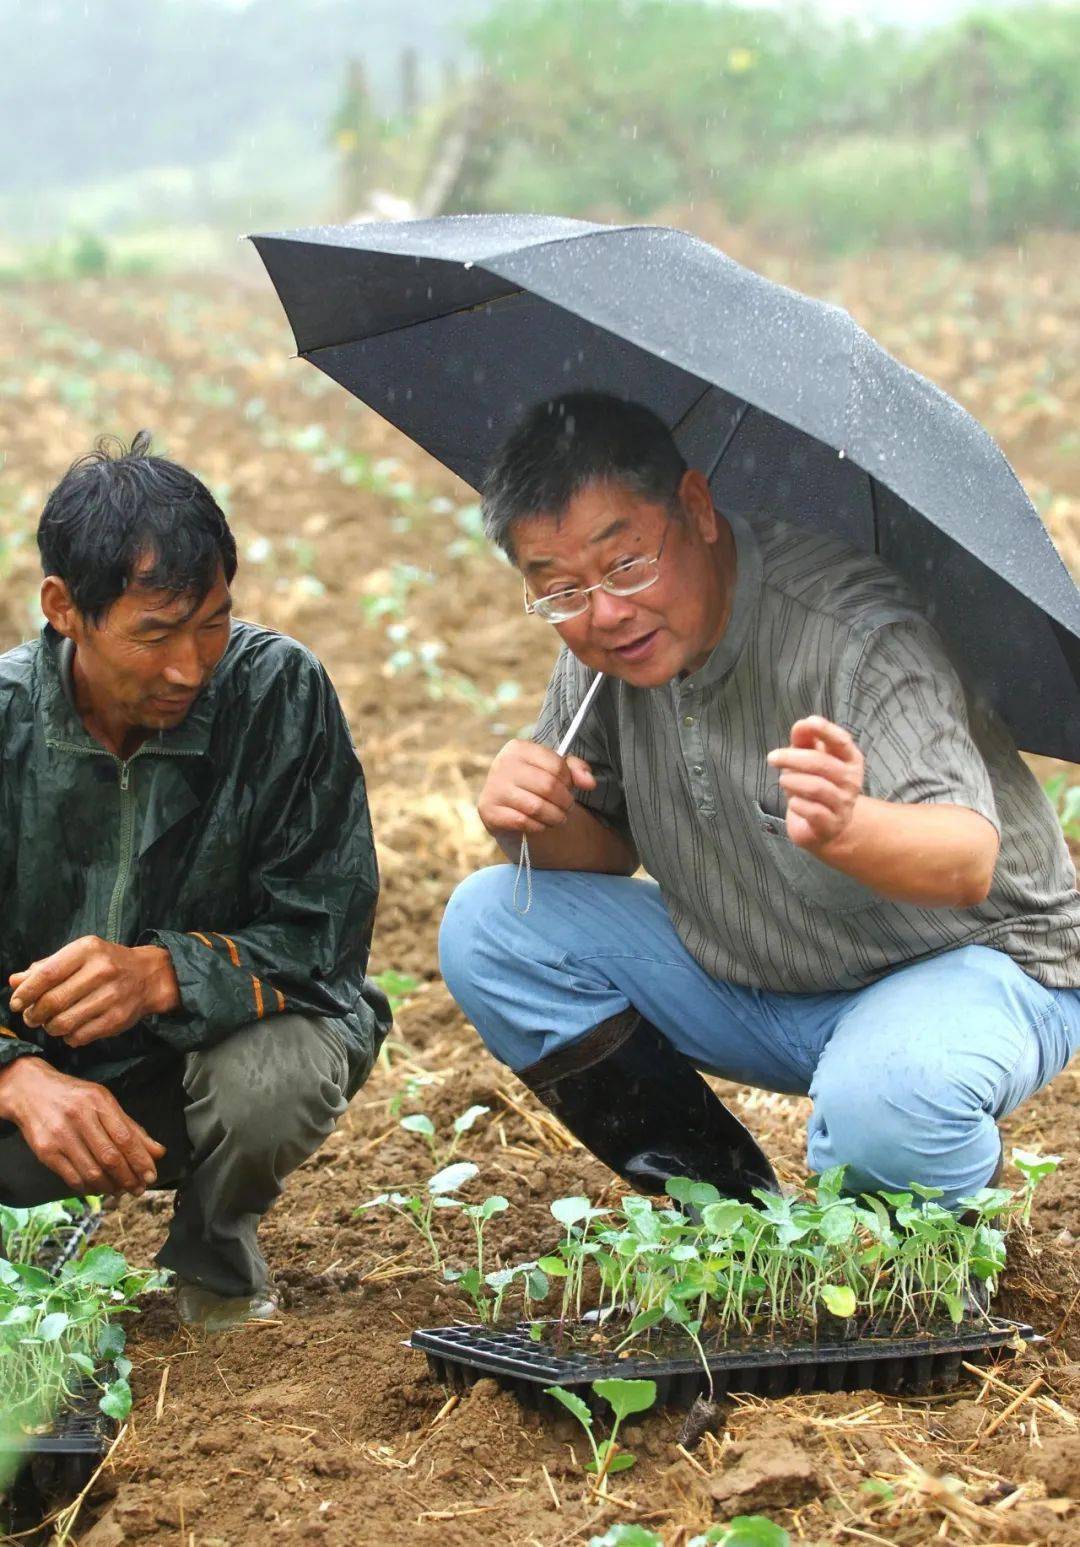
(907, 1076)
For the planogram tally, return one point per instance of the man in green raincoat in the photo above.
(188, 879)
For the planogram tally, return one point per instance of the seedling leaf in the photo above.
(744, 1531)
(627, 1396)
(463, 1123)
(956, 1308)
(572, 1403)
(622, 1461)
(116, 1400)
(111, 1341)
(570, 1211)
(829, 1185)
(50, 1327)
(1033, 1166)
(691, 1194)
(419, 1123)
(102, 1265)
(450, 1178)
(839, 1298)
(723, 1219)
(627, 1536)
(838, 1224)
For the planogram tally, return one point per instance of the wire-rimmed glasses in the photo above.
(626, 579)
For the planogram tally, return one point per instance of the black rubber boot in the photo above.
(645, 1111)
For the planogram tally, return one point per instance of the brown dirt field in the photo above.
(323, 1427)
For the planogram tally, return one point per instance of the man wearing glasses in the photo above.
(859, 892)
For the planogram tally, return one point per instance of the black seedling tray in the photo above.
(459, 1356)
(63, 1461)
(57, 1249)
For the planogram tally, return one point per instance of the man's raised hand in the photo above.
(530, 788)
(93, 988)
(821, 774)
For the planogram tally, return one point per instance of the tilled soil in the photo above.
(322, 1426)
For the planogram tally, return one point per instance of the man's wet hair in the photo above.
(566, 443)
(120, 512)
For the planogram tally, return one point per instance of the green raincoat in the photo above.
(240, 841)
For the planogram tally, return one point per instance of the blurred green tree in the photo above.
(844, 134)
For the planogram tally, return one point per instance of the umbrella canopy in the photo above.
(453, 328)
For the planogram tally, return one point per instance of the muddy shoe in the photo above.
(197, 1307)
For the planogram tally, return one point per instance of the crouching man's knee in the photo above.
(273, 1090)
(470, 948)
(931, 1134)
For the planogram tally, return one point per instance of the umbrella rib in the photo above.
(729, 437)
(422, 322)
(692, 410)
(744, 408)
(874, 511)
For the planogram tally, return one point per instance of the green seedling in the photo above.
(478, 1215)
(410, 1091)
(722, 1268)
(463, 1124)
(419, 1208)
(575, 1214)
(470, 522)
(488, 1291)
(56, 1330)
(624, 1397)
(425, 656)
(878, 1488)
(1033, 1168)
(420, 1124)
(627, 1536)
(839, 1299)
(442, 1154)
(390, 591)
(473, 1281)
(743, 1531)
(23, 1232)
(397, 986)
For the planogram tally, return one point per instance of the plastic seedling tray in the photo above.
(68, 1242)
(63, 1461)
(458, 1356)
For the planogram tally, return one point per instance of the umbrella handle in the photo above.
(524, 865)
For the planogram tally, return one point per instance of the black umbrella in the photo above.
(452, 328)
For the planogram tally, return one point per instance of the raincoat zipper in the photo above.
(127, 835)
(127, 818)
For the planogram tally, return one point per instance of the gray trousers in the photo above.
(235, 1119)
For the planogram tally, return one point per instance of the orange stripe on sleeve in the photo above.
(280, 997)
(204, 938)
(234, 954)
(259, 1008)
(6, 1031)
